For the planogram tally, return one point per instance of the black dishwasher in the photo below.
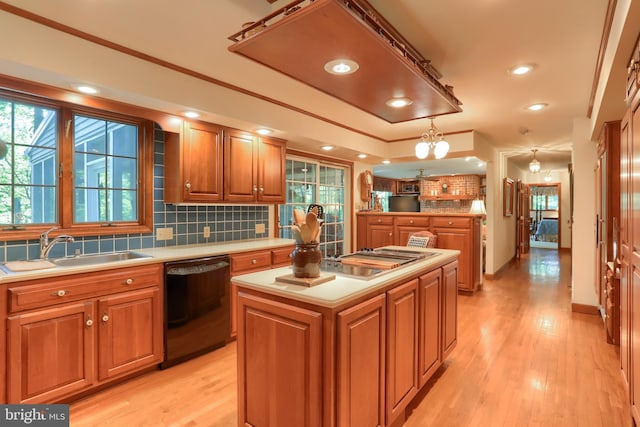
(197, 308)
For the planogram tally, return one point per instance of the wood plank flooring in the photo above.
(523, 359)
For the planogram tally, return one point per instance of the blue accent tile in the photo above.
(91, 247)
(135, 243)
(106, 244)
(121, 244)
(170, 217)
(192, 239)
(192, 228)
(182, 228)
(182, 239)
(17, 252)
(147, 242)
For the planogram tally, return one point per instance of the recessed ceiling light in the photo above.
(398, 102)
(191, 114)
(263, 131)
(362, 156)
(537, 107)
(386, 162)
(522, 69)
(87, 89)
(341, 67)
(327, 147)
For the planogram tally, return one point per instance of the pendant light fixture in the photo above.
(534, 165)
(432, 139)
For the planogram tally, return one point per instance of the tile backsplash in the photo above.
(226, 223)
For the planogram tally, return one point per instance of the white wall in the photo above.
(584, 249)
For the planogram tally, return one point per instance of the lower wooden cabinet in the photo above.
(302, 364)
(56, 350)
(280, 374)
(361, 364)
(402, 347)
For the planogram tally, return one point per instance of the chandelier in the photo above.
(432, 139)
(534, 165)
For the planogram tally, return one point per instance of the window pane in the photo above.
(106, 170)
(29, 169)
(552, 203)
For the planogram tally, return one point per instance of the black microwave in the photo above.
(410, 188)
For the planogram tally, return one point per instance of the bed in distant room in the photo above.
(547, 230)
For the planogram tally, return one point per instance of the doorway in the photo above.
(545, 216)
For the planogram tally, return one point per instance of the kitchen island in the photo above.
(347, 352)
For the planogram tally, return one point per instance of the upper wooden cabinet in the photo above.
(207, 163)
(254, 168)
(193, 164)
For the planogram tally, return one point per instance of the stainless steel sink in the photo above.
(80, 260)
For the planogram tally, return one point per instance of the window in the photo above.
(310, 181)
(544, 198)
(75, 168)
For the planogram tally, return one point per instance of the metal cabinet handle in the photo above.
(187, 185)
(450, 223)
(89, 322)
(105, 317)
(262, 189)
(129, 281)
(254, 261)
(255, 188)
(59, 293)
(390, 234)
(379, 220)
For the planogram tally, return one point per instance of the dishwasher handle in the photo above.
(196, 269)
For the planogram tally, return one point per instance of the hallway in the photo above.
(522, 359)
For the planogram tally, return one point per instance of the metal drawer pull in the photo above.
(187, 185)
(59, 293)
(411, 222)
(105, 317)
(129, 281)
(450, 222)
(89, 322)
(379, 220)
(254, 261)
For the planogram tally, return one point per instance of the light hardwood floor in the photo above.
(522, 359)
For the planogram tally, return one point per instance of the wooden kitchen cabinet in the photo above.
(450, 284)
(254, 168)
(462, 234)
(248, 262)
(193, 164)
(283, 386)
(69, 334)
(402, 348)
(361, 343)
(429, 321)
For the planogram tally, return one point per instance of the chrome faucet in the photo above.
(46, 245)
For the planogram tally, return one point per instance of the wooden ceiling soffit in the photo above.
(299, 40)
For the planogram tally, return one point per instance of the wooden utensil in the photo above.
(312, 225)
(298, 216)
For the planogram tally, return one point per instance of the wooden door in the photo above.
(240, 166)
(361, 364)
(449, 307)
(202, 149)
(402, 348)
(271, 170)
(635, 258)
(523, 221)
(429, 346)
(131, 331)
(624, 250)
(279, 364)
(50, 353)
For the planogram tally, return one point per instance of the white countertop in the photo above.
(156, 255)
(342, 288)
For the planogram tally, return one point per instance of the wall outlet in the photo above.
(206, 232)
(164, 233)
(259, 228)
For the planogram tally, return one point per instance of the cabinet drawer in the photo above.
(282, 256)
(451, 222)
(56, 290)
(415, 221)
(387, 220)
(250, 261)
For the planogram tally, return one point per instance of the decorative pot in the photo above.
(305, 260)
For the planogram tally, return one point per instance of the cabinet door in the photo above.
(360, 364)
(240, 165)
(279, 364)
(271, 170)
(50, 353)
(402, 348)
(130, 333)
(460, 239)
(404, 231)
(429, 347)
(202, 162)
(449, 308)
(380, 235)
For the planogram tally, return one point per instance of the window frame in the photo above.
(64, 158)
